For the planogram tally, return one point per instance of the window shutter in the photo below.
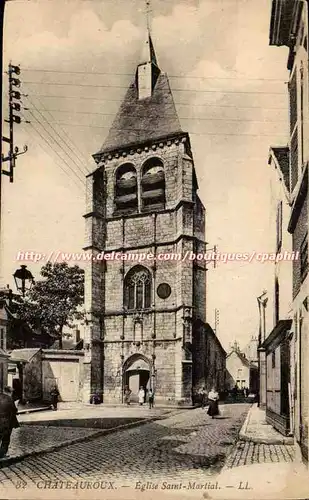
(279, 226)
(293, 130)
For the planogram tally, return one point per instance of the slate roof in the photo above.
(143, 120)
(242, 357)
(282, 155)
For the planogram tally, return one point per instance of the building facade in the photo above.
(278, 348)
(289, 27)
(209, 369)
(241, 371)
(144, 298)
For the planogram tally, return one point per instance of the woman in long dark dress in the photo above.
(213, 398)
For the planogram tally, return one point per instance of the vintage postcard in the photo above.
(154, 249)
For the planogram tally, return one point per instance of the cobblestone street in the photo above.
(186, 446)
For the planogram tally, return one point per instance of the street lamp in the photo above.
(23, 279)
(262, 303)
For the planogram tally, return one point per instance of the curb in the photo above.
(258, 440)
(243, 430)
(243, 436)
(33, 410)
(4, 462)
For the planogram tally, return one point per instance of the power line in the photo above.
(53, 150)
(173, 89)
(49, 135)
(181, 117)
(176, 102)
(191, 133)
(62, 130)
(53, 138)
(41, 70)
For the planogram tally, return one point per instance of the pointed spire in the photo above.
(148, 52)
(148, 69)
(148, 110)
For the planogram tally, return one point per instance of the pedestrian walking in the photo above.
(150, 398)
(8, 420)
(203, 394)
(54, 394)
(141, 396)
(127, 395)
(213, 398)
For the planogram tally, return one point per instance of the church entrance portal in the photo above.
(137, 375)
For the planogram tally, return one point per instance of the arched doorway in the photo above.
(136, 374)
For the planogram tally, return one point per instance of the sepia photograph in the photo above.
(154, 249)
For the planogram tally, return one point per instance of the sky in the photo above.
(77, 58)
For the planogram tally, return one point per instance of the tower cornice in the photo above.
(138, 147)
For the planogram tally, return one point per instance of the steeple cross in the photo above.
(148, 12)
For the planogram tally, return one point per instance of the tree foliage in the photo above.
(54, 302)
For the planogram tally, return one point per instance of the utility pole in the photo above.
(2, 4)
(14, 105)
(14, 96)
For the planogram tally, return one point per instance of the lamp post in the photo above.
(23, 279)
(262, 303)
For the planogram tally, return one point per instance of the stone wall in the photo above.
(113, 333)
(63, 368)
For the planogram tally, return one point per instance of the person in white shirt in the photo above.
(213, 399)
(141, 396)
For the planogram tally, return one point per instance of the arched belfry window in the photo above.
(126, 188)
(137, 285)
(153, 185)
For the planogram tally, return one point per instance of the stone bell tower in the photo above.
(144, 213)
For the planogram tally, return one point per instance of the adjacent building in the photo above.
(241, 372)
(145, 312)
(277, 346)
(210, 368)
(289, 27)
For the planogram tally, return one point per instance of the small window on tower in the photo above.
(126, 189)
(153, 185)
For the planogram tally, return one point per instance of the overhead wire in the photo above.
(110, 87)
(176, 102)
(52, 147)
(190, 133)
(42, 70)
(167, 114)
(65, 133)
(53, 138)
(55, 152)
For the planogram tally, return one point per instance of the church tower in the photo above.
(145, 297)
